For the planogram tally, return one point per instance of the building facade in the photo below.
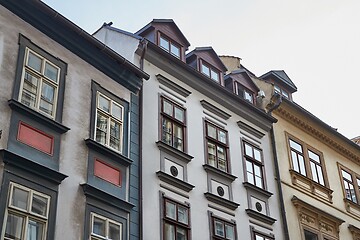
(207, 161)
(69, 120)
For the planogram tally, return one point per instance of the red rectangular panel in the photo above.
(107, 172)
(35, 138)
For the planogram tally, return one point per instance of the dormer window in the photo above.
(281, 91)
(210, 72)
(244, 93)
(169, 46)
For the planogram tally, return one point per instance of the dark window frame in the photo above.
(213, 235)
(355, 178)
(243, 91)
(170, 44)
(211, 68)
(281, 91)
(254, 162)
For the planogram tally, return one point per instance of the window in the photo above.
(105, 228)
(169, 46)
(244, 93)
(217, 147)
(109, 122)
(40, 83)
(176, 221)
(351, 184)
(306, 161)
(281, 91)
(258, 236)
(254, 165)
(310, 235)
(210, 72)
(173, 124)
(223, 229)
(27, 214)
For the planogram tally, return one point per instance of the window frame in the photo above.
(94, 236)
(173, 121)
(244, 90)
(217, 143)
(254, 162)
(171, 43)
(355, 178)
(225, 223)
(175, 222)
(212, 70)
(281, 91)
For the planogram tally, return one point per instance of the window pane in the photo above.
(277, 89)
(115, 135)
(259, 237)
(47, 98)
(257, 154)
(51, 72)
(321, 177)
(249, 167)
(295, 161)
(179, 114)
(99, 226)
(285, 94)
(258, 182)
(178, 137)
(168, 108)
(169, 232)
(230, 232)
(20, 198)
(222, 136)
(211, 131)
(39, 205)
(182, 215)
(30, 89)
(175, 50)
(34, 62)
(164, 44)
(35, 230)
(205, 70)
(101, 129)
(214, 75)
(167, 132)
(314, 156)
(346, 175)
(248, 96)
(181, 234)
(114, 231)
(219, 229)
(302, 165)
(104, 104)
(171, 210)
(248, 150)
(295, 146)
(116, 111)
(14, 227)
(221, 153)
(314, 172)
(310, 235)
(211, 154)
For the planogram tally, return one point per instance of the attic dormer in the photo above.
(240, 83)
(166, 34)
(206, 61)
(281, 82)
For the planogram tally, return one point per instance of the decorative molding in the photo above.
(173, 86)
(210, 169)
(174, 152)
(187, 187)
(354, 231)
(254, 188)
(221, 201)
(217, 111)
(250, 129)
(260, 217)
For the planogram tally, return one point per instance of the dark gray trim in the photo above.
(260, 217)
(254, 231)
(221, 201)
(108, 152)
(263, 192)
(98, 194)
(250, 129)
(224, 175)
(20, 162)
(174, 152)
(217, 111)
(187, 187)
(173, 86)
(21, 108)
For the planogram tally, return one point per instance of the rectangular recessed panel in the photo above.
(107, 172)
(35, 138)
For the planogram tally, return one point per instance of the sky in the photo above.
(316, 42)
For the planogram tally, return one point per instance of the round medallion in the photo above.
(258, 206)
(174, 171)
(220, 191)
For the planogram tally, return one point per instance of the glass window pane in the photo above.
(295, 146)
(39, 205)
(314, 156)
(178, 137)
(34, 62)
(181, 234)
(114, 231)
(346, 175)
(321, 177)
(248, 150)
(167, 108)
(115, 134)
(14, 227)
(277, 89)
(285, 94)
(219, 229)
(31, 82)
(47, 92)
(35, 230)
(164, 44)
(99, 226)
(171, 210)
(302, 165)
(182, 215)
(310, 235)
(20, 198)
(295, 161)
(257, 154)
(259, 237)
(248, 96)
(211, 154)
(205, 70)
(211, 131)
(104, 104)
(222, 136)
(179, 114)
(249, 166)
(314, 172)
(167, 131)
(51, 72)
(230, 232)
(169, 232)
(257, 171)
(101, 128)
(175, 50)
(214, 75)
(258, 182)
(116, 111)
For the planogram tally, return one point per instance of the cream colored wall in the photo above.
(331, 158)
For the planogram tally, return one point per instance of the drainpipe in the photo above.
(143, 45)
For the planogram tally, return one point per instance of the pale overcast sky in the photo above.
(316, 42)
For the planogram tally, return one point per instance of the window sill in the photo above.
(108, 152)
(21, 108)
(352, 207)
(187, 187)
(309, 185)
(98, 194)
(174, 152)
(221, 201)
(261, 217)
(210, 169)
(254, 188)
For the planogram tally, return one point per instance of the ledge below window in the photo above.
(108, 152)
(98, 194)
(261, 217)
(187, 187)
(221, 201)
(210, 169)
(352, 207)
(21, 108)
(263, 192)
(311, 186)
(174, 152)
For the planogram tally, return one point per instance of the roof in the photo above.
(211, 51)
(109, 27)
(282, 77)
(243, 72)
(171, 22)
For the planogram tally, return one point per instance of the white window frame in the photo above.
(110, 118)
(94, 236)
(42, 78)
(26, 214)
